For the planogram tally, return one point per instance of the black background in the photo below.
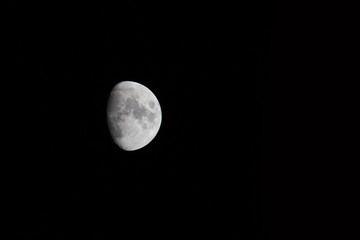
(208, 174)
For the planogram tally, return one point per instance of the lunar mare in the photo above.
(134, 115)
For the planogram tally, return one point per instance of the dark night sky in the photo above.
(207, 173)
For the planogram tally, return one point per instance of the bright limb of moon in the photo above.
(134, 115)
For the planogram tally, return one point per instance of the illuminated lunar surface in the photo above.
(134, 115)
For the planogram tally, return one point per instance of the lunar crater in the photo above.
(151, 104)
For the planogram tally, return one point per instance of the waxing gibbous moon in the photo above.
(133, 114)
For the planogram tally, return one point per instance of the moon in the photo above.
(133, 115)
